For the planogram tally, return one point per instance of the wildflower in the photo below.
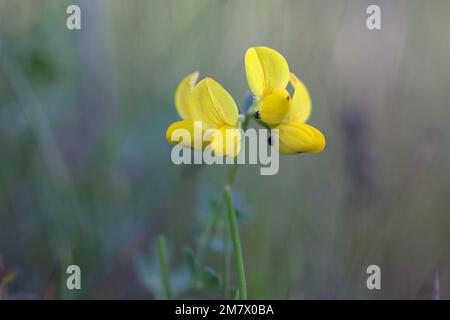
(268, 76)
(209, 114)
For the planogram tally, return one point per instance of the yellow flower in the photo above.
(296, 136)
(268, 76)
(209, 114)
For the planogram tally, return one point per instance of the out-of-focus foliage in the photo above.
(86, 175)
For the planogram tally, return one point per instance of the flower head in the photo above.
(268, 76)
(207, 110)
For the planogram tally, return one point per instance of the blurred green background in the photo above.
(86, 176)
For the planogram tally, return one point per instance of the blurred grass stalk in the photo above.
(164, 264)
(236, 244)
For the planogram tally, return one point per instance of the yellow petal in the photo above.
(266, 70)
(301, 101)
(216, 107)
(297, 137)
(187, 132)
(226, 141)
(183, 96)
(274, 107)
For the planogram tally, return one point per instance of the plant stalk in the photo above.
(234, 231)
(164, 264)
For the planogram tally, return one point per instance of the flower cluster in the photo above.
(206, 107)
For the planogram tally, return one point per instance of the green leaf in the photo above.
(191, 262)
(211, 278)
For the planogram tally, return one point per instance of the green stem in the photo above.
(164, 263)
(227, 262)
(234, 231)
(244, 124)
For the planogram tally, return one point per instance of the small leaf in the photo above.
(249, 100)
(239, 214)
(191, 262)
(211, 278)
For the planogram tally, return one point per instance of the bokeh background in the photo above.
(86, 176)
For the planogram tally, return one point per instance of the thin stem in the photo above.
(244, 124)
(234, 231)
(164, 263)
(226, 262)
